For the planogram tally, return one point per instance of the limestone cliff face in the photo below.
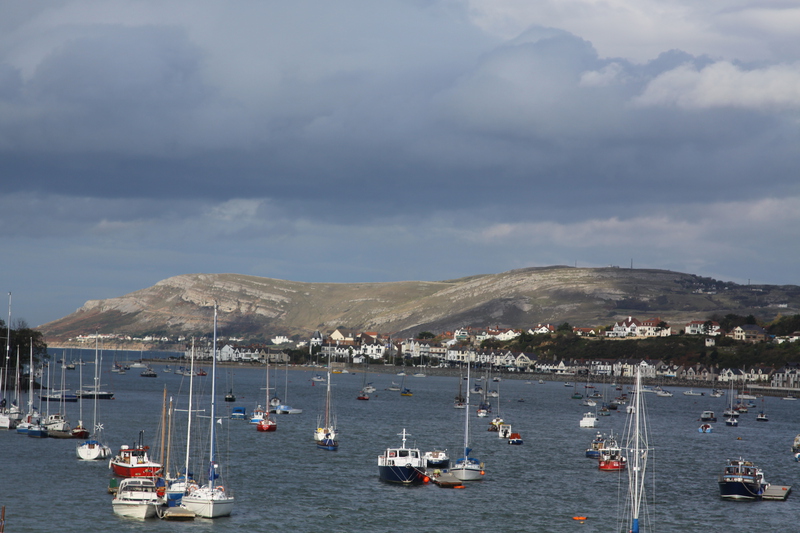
(254, 306)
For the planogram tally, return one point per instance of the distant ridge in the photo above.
(256, 307)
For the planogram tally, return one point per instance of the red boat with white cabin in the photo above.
(134, 462)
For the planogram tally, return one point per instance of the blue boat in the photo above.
(238, 413)
(402, 465)
(596, 446)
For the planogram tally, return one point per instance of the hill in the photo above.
(258, 308)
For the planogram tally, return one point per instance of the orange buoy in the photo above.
(426, 479)
(581, 518)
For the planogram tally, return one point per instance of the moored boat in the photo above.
(402, 465)
(137, 498)
(437, 459)
(589, 420)
(515, 439)
(211, 499)
(596, 446)
(134, 461)
(708, 416)
(741, 480)
(705, 428)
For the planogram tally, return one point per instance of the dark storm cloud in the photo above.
(489, 135)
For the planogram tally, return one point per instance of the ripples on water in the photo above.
(283, 483)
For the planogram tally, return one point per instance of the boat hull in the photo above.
(469, 472)
(208, 505)
(406, 475)
(138, 510)
(92, 450)
(121, 470)
(739, 490)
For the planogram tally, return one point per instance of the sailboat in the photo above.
(32, 418)
(366, 388)
(458, 403)
(93, 448)
(404, 391)
(325, 434)
(264, 422)
(211, 500)
(283, 408)
(466, 467)
(638, 451)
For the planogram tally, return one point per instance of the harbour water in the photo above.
(282, 482)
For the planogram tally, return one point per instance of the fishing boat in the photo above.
(467, 468)
(741, 480)
(137, 498)
(211, 500)
(436, 459)
(149, 373)
(596, 446)
(402, 465)
(515, 439)
(611, 458)
(639, 452)
(238, 413)
(326, 433)
(94, 449)
(134, 461)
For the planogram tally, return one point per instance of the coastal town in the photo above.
(452, 349)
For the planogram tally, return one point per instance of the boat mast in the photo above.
(212, 473)
(636, 474)
(466, 413)
(30, 383)
(328, 396)
(96, 383)
(4, 370)
(189, 421)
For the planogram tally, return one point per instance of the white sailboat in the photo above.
(284, 408)
(211, 500)
(94, 449)
(32, 418)
(467, 468)
(325, 434)
(638, 449)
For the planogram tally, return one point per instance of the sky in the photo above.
(364, 141)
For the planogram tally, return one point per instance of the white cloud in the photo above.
(723, 84)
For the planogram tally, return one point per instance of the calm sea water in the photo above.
(283, 483)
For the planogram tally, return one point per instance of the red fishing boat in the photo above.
(611, 458)
(133, 461)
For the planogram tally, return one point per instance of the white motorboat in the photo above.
(589, 420)
(137, 498)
